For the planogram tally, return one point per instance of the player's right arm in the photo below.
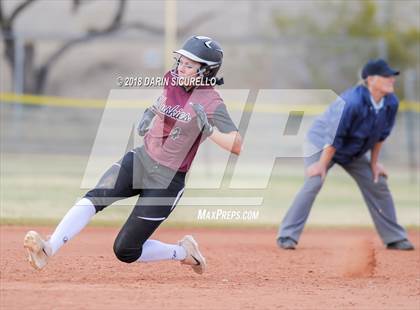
(146, 120)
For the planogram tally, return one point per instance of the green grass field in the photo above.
(39, 189)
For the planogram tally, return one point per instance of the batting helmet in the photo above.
(205, 51)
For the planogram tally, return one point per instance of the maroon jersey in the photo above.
(174, 137)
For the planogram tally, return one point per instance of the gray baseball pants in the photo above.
(377, 196)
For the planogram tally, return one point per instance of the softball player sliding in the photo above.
(187, 112)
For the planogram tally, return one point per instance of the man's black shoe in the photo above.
(286, 243)
(402, 245)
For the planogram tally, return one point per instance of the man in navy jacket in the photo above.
(367, 117)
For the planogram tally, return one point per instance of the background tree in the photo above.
(35, 78)
(346, 29)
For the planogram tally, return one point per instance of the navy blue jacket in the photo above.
(351, 125)
(360, 127)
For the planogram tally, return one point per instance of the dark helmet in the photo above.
(205, 51)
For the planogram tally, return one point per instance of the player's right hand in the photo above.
(315, 169)
(145, 122)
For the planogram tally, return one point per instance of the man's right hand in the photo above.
(315, 169)
(320, 167)
(145, 122)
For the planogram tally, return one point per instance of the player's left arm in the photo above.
(231, 141)
(219, 127)
(225, 133)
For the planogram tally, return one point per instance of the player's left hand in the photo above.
(202, 120)
(378, 170)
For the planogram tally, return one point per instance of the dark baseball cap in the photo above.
(378, 67)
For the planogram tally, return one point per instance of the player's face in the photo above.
(382, 84)
(187, 68)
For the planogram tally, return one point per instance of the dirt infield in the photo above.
(332, 269)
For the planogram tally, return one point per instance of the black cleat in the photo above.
(402, 245)
(286, 243)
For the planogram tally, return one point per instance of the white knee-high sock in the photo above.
(72, 223)
(154, 250)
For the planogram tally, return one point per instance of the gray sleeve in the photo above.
(324, 128)
(221, 119)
